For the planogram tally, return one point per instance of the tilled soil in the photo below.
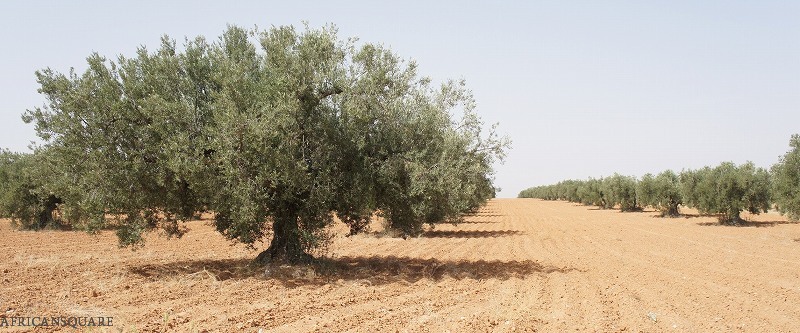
(517, 265)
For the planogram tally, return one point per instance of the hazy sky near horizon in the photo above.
(583, 88)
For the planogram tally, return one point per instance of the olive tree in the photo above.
(24, 197)
(277, 132)
(568, 190)
(727, 190)
(689, 181)
(591, 193)
(662, 192)
(786, 181)
(621, 190)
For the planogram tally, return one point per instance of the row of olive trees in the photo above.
(277, 132)
(615, 191)
(725, 190)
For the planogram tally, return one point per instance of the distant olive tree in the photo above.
(591, 193)
(24, 196)
(567, 190)
(727, 190)
(545, 192)
(646, 189)
(662, 192)
(786, 181)
(621, 190)
(689, 181)
(587, 192)
(277, 132)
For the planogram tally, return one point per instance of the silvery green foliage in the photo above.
(662, 192)
(588, 192)
(274, 131)
(23, 198)
(786, 181)
(620, 190)
(727, 190)
(591, 193)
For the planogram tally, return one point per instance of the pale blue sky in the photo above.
(583, 88)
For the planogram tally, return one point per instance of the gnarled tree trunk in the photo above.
(732, 217)
(672, 210)
(285, 245)
(46, 214)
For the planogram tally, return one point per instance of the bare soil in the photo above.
(517, 265)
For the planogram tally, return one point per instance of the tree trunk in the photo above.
(46, 214)
(672, 211)
(732, 217)
(285, 245)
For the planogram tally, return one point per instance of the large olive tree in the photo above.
(276, 132)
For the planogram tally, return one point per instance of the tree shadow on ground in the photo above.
(476, 222)
(486, 215)
(668, 217)
(694, 215)
(369, 270)
(750, 224)
(470, 233)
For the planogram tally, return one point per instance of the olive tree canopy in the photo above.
(727, 190)
(786, 181)
(662, 192)
(276, 132)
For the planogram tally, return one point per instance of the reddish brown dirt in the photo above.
(518, 265)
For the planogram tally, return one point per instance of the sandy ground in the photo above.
(518, 265)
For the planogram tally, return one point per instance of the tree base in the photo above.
(286, 246)
(672, 212)
(732, 221)
(274, 255)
